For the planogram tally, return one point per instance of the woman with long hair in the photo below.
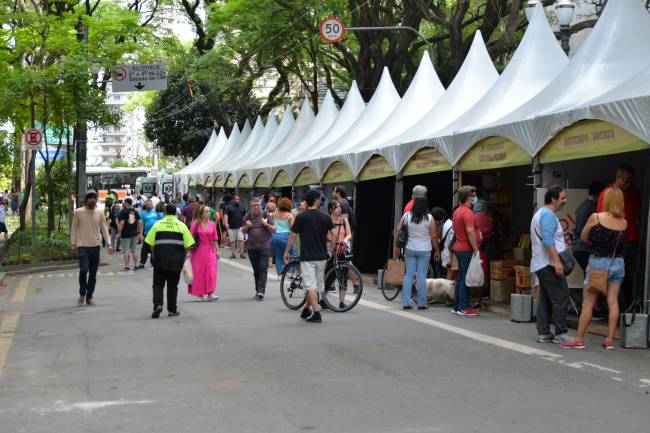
(204, 257)
(283, 222)
(422, 239)
(606, 232)
(344, 236)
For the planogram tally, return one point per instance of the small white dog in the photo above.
(440, 289)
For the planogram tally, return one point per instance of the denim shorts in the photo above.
(616, 269)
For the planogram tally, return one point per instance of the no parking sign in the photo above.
(33, 139)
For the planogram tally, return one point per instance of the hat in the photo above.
(419, 191)
(90, 193)
(128, 200)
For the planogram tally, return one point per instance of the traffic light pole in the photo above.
(81, 132)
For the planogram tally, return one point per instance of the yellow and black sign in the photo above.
(337, 173)
(281, 180)
(307, 176)
(230, 182)
(218, 182)
(589, 138)
(261, 181)
(426, 160)
(190, 182)
(245, 182)
(376, 168)
(494, 152)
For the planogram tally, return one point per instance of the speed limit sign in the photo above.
(332, 29)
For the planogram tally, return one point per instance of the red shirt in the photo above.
(463, 217)
(409, 206)
(632, 198)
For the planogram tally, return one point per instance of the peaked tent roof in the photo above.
(258, 147)
(286, 125)
(613, 54)
(245, 146)
(205, 153)
(291, 141)
(536, 62)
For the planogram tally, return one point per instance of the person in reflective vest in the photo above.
(169, 240)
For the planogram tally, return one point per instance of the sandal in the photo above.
(126, 268)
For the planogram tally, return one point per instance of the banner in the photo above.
(427, 160)
(338, 173)
(245, 182)
(589, 138)
(376, 168)
(306, 177)
(261, 181)
(230, 182)
(218, 182)
(190, 182)
(281, 179)
(494, 152)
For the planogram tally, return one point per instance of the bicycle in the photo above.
(390, 291)
(343, 283)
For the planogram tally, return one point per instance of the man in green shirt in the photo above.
(169, 240)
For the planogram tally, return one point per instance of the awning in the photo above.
(306, 177)
(427, 160)
(337, 173)
(493, 152)
(376, 168)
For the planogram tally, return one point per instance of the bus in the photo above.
(119, 180)
(162, 185)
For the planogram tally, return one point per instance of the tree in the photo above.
(118, 163)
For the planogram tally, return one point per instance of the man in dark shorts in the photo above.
(314, 229)
(233, 222)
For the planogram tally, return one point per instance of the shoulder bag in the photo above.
(403, 235)
(566, 257)
(598, 278)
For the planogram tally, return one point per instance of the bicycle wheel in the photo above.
(343, 287)
(291, 290)
(390, 291)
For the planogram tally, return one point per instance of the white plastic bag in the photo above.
(188, 275)
(475, 277)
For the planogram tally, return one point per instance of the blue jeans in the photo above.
(416, 262)
(279, 244)
(461, 295)
(88, 264)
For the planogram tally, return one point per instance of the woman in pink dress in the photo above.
(204, 257)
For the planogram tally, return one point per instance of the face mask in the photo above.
(474, 200)
(559, 206)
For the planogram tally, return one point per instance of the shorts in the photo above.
(616, 269)
(3, 227)
(313, 274)
(128, 245)
(235, 234)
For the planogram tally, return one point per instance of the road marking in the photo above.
(21, 291)
(7, 328)
(88, 406)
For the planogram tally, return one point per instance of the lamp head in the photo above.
(564, 12)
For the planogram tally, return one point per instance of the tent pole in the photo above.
(399, 197)
(456, 181)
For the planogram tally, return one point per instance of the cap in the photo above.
(419, 191)
(90, 193)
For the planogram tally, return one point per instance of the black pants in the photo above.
(260, 263)
(88, 264)
(144, 252)
(554, 299)
(160, 277)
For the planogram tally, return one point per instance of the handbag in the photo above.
(403, 235)
(395, 270)
(598, 278)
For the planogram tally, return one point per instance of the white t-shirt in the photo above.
(540, 257)
(155, 200)
(419, 237)
(447, 235)
(3, 212)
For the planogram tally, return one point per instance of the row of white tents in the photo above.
(539, 94)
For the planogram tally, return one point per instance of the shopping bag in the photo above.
(188, 275)
(475, 277)
(395, 272)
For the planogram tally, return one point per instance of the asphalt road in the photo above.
(239, 365)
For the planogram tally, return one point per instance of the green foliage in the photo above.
(59, 182)
(118, 163)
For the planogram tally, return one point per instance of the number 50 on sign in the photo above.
(332, 29)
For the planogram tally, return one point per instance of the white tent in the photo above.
(379, 108)
(537, 61)
(422, 95)
(215, 144)
(475, 77)
(286, 125)
(259, 146)
(245, 147)
(615, 52)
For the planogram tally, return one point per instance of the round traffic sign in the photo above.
(119, 74)
(332, 29)
(33, 138)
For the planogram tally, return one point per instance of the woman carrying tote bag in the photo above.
(606, 233)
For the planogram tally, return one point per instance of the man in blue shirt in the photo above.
(149, 217)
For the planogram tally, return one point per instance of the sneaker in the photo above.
(454, 311)
(81, 301)
(407, 307)
(260, 296)
(562, 338)
(127, 269)
(140, 266)
(342, 305)
(305, 313)
(470, 312)
(544, 338)
(423, 307)
(314, 318)
(242, 256)
(212, 297)
(323, 304)
(232, 256)
(174, 313)
(356, 289)
(91, 303)
(607, 345)
(575, 344)
(201, 299)
(156, 312)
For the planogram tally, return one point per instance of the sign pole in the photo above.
(33, 194)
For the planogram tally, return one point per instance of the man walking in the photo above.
(339, 194)
(3, 213)
(169, 240)
(85, 239)
(466, 245)
(259, 227)
(315, 229)
(233, 222)
(547, 239)
(129, 231)
(149, 217)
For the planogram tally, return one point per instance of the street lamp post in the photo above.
(81, 131)
(563, 12)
